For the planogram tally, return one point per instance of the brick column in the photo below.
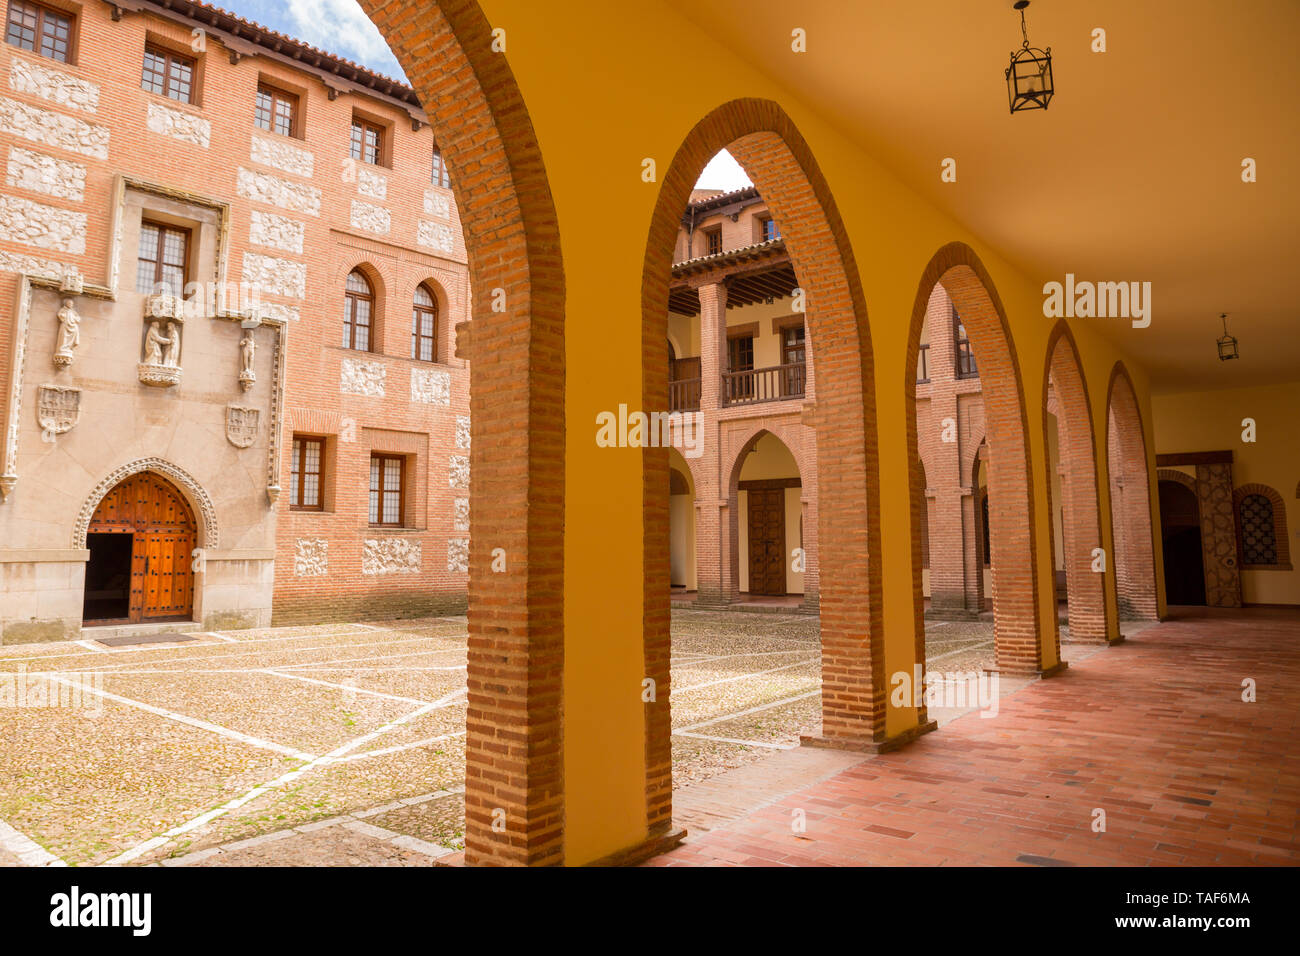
(712, 516)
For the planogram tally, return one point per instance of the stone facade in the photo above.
(81, 181)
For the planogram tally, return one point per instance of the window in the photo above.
(163, 264)
(712, 242)
(386, 479)
(31, 26)
(307, 476)
(793, 354)
(440, 175)
(984, 529)
(168, 74)
(424, 326)
(767, 230)
(276, 111)
(965, 358)
(1262, 542)
(740, 353)
(359, 305)
(367, 142)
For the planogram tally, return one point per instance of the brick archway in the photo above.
(1089, 615)
(1017, 623)
(513, 750)
(1130, 500)
(765, 142)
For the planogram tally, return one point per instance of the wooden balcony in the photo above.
(775, 384)
(684, 395)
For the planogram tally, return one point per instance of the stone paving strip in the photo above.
(18, 850)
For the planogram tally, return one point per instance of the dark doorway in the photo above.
(1180, 535)
(766, 540)
(108, 577)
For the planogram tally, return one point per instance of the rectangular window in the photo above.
(367, 142)
(168, 74)
(792, 345)
(740, 353)
(387, 474)
(307, 475)
(440, 175)
(31, 26)
(965, 358)
(277, 111)
(712, 242)
(767, 230)
(163, 263)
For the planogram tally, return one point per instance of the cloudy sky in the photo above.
(339, 27)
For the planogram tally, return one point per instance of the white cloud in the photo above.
(342, 28)
(724, 173)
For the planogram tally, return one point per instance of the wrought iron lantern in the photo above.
(1029, 77)
(1227, 343)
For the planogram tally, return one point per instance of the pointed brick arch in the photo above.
(1018, 628)
(1090, 618)
(516, 640)
(765, 142)
(1130, 500)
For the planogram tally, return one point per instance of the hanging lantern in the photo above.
(1029, 77)
(1227, 343)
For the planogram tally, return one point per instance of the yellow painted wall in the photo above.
(1212, 421)
(593, 137)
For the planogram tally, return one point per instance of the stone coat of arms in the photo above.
(241, 425)
(58, 408)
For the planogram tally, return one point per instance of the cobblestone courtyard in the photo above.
(340, 743)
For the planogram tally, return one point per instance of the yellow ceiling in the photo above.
(1132, 174)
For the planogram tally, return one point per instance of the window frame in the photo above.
(277, 93)
(766, 221)
(963, 356)
(43, 10)
(441, 175)
(418, 337)
(712, 236)
(1281, 543)
(733, 346)
(383, 457)
(169, 57)
(163, 228)
(366, 125)
(297, 466)
(350, 298)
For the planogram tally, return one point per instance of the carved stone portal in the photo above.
(241, 425)
(58, 408)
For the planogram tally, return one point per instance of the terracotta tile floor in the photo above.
(1153, 732)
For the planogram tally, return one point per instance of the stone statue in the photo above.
(153, 345)
(247, 350)
(69, 334)
(173, 358)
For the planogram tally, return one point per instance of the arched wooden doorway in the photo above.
(141, 541)
(1180, 532)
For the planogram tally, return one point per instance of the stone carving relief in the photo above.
(241, 425)
(458, 471)
(247, 354)
(160, 353)
(282, 156)
(458, 555)
(278, 232)
(274, 191)
(58, 408)
(53, 129)
(363, 378)
(460, 514)
(437, 204)
(45, 174)
(390, 556)
(33, 79)
(430, 386)
(435, 235)
(311, 557)
(370, 217)
(462, 431)
(1218, 535)
(45, 268)
(371, 183)
(276, 312)
(69, 334)
(180, 125)
(272, 276)
(36, 224)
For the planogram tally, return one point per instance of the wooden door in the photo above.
(158, 517)
(766, 540)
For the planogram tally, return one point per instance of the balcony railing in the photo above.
(774, 384)
(923, 365)
(684, 395)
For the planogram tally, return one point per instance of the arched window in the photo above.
(424, 326)
(1261, 528)
(984, 529)
(358, 308)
